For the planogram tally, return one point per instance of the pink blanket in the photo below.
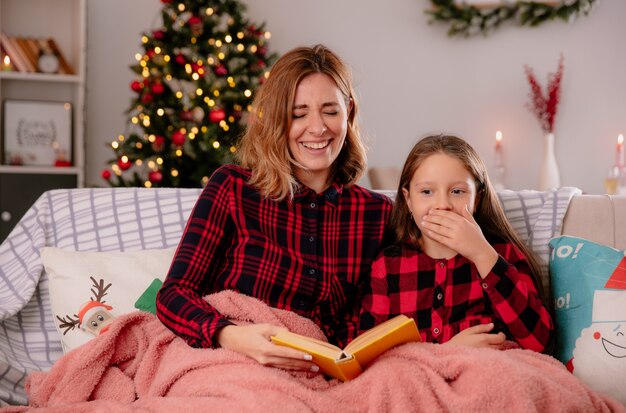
(140, 366)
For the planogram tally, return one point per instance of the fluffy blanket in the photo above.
(140, 366)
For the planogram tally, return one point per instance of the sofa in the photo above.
(135, 219)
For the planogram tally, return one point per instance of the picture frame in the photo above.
(37, 133)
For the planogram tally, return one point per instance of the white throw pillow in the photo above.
(89, 289)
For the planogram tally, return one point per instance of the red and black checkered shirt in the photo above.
(308, 255)
(445, 296)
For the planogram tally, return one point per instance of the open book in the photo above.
(348, 363)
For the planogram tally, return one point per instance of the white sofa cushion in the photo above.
(89, 289)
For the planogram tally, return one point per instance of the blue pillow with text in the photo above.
(589, 291)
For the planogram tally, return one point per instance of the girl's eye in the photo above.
(426, 191)
(331, 113)
(458, 191)
(298, 116)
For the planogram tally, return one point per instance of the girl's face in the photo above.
(440, 182)
(318, 129)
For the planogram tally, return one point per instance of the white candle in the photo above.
(499, 168)
(498, 140)
(619, 155)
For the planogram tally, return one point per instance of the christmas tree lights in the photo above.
(195, 82)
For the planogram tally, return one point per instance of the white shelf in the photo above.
(41, 77)
(65, 22)
(44, 170)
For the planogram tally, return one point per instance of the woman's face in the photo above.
(318, 128)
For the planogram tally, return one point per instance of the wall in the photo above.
(114, 30)
(414, 80)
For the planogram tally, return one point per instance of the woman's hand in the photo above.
(478, 336)
(254, 341)
(462, 234)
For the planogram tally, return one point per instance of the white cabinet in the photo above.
(65, 22)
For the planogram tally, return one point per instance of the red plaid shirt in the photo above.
(307, 255)
(445, 296)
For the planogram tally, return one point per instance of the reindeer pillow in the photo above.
(89, 289)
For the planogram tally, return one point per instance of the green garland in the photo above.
(467, 20)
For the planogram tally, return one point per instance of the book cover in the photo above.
(65, 67)
(21, 51)
(348, 363)
(33, 47)
(26, 51)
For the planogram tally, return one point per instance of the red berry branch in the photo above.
(545, 107)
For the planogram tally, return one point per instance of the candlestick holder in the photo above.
(619, 165)
(621, 187)
(7, 65)
(612, 180)
(499, 172)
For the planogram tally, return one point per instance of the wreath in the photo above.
(468, 20)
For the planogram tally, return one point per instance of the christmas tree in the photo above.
(196, 80)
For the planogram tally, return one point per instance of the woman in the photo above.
(288, 226)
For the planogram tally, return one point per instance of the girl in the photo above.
(451, 259)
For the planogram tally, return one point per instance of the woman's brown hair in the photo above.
(264, 148)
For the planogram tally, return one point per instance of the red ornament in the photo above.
(155, 177)
(158, 35)
(105, 174)
(195, 24)
(124, 165)
(194, 21)
(196, 68)
(147, 98)
(186, 115)
(136, 86)
(158, 144)
(180, 59)
(62, 162)
(157, 88)
(221, 70)
(261, 51)
(178, 138)
(166, 1)
(217, 115)
(150, 53)
(253, 29)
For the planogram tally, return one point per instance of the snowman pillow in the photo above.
(589, 291)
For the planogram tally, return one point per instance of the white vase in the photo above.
(549, 173)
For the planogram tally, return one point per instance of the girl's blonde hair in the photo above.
(488, 213)
(264, 147)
